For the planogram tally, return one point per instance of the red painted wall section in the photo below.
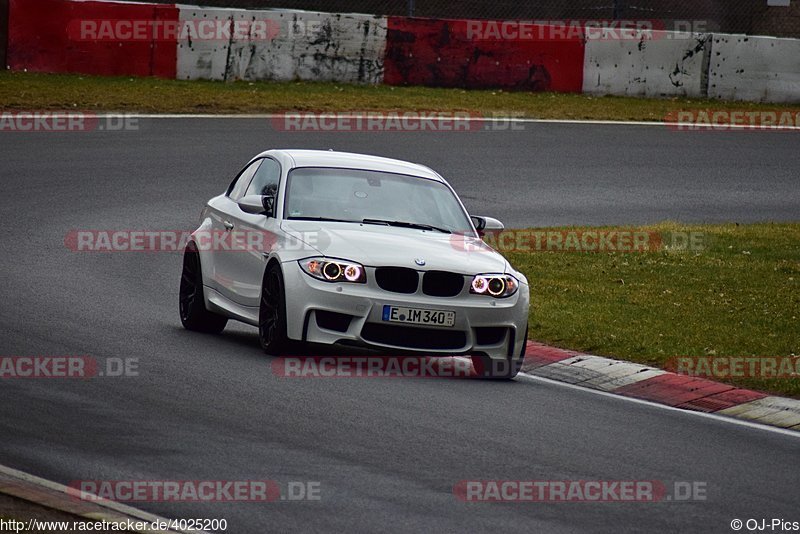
(441, 53)
(39, 40)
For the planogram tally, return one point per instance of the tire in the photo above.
(192, 306)
(487, 368)
(272, 312)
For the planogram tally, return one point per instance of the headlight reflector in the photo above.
(496, 285)
(352, 273)
(331, 271)
(334, 270)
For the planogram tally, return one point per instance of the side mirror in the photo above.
(486, 224)
(257, 204)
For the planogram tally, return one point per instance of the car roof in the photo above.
(350, 160)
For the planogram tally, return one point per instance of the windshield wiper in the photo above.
(404, 224)
(326, 219)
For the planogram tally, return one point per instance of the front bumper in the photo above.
(495, 327)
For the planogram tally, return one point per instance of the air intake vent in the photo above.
(397, 279)
(414, 338)
(442, 284)
(490, 335)
(338, 322)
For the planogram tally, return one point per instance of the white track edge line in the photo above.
(681, 127)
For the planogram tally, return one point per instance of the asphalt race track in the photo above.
(387, 452)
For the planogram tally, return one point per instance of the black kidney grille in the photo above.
(442, 284)
(397, 279)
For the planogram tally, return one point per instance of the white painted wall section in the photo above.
(756, 69)
(299, 45)
(661, 64)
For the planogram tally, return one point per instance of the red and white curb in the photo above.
(659, 386)
(56, 496)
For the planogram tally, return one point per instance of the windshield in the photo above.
(372, 196)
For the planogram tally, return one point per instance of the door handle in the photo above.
(228, 225)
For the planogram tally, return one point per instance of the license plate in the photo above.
(399, 314)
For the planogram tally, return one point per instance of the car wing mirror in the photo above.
(486, 224)
(258, 204)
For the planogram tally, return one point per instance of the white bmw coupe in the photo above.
(338, 248)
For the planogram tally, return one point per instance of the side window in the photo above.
(239, 187)
(266, 179)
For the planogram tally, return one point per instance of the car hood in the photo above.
(377, 245)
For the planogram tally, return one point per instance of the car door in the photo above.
(258, 233)
(222, 213)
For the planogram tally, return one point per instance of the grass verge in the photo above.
(738, 297)
(28, 91)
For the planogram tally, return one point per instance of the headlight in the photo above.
(494, 285)
(334, 270)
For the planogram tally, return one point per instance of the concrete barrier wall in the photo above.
(3, 33)
(298, 46)
(666, 64)
(441, 53)
(756, 69)
(42, 37)
(399, 51)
